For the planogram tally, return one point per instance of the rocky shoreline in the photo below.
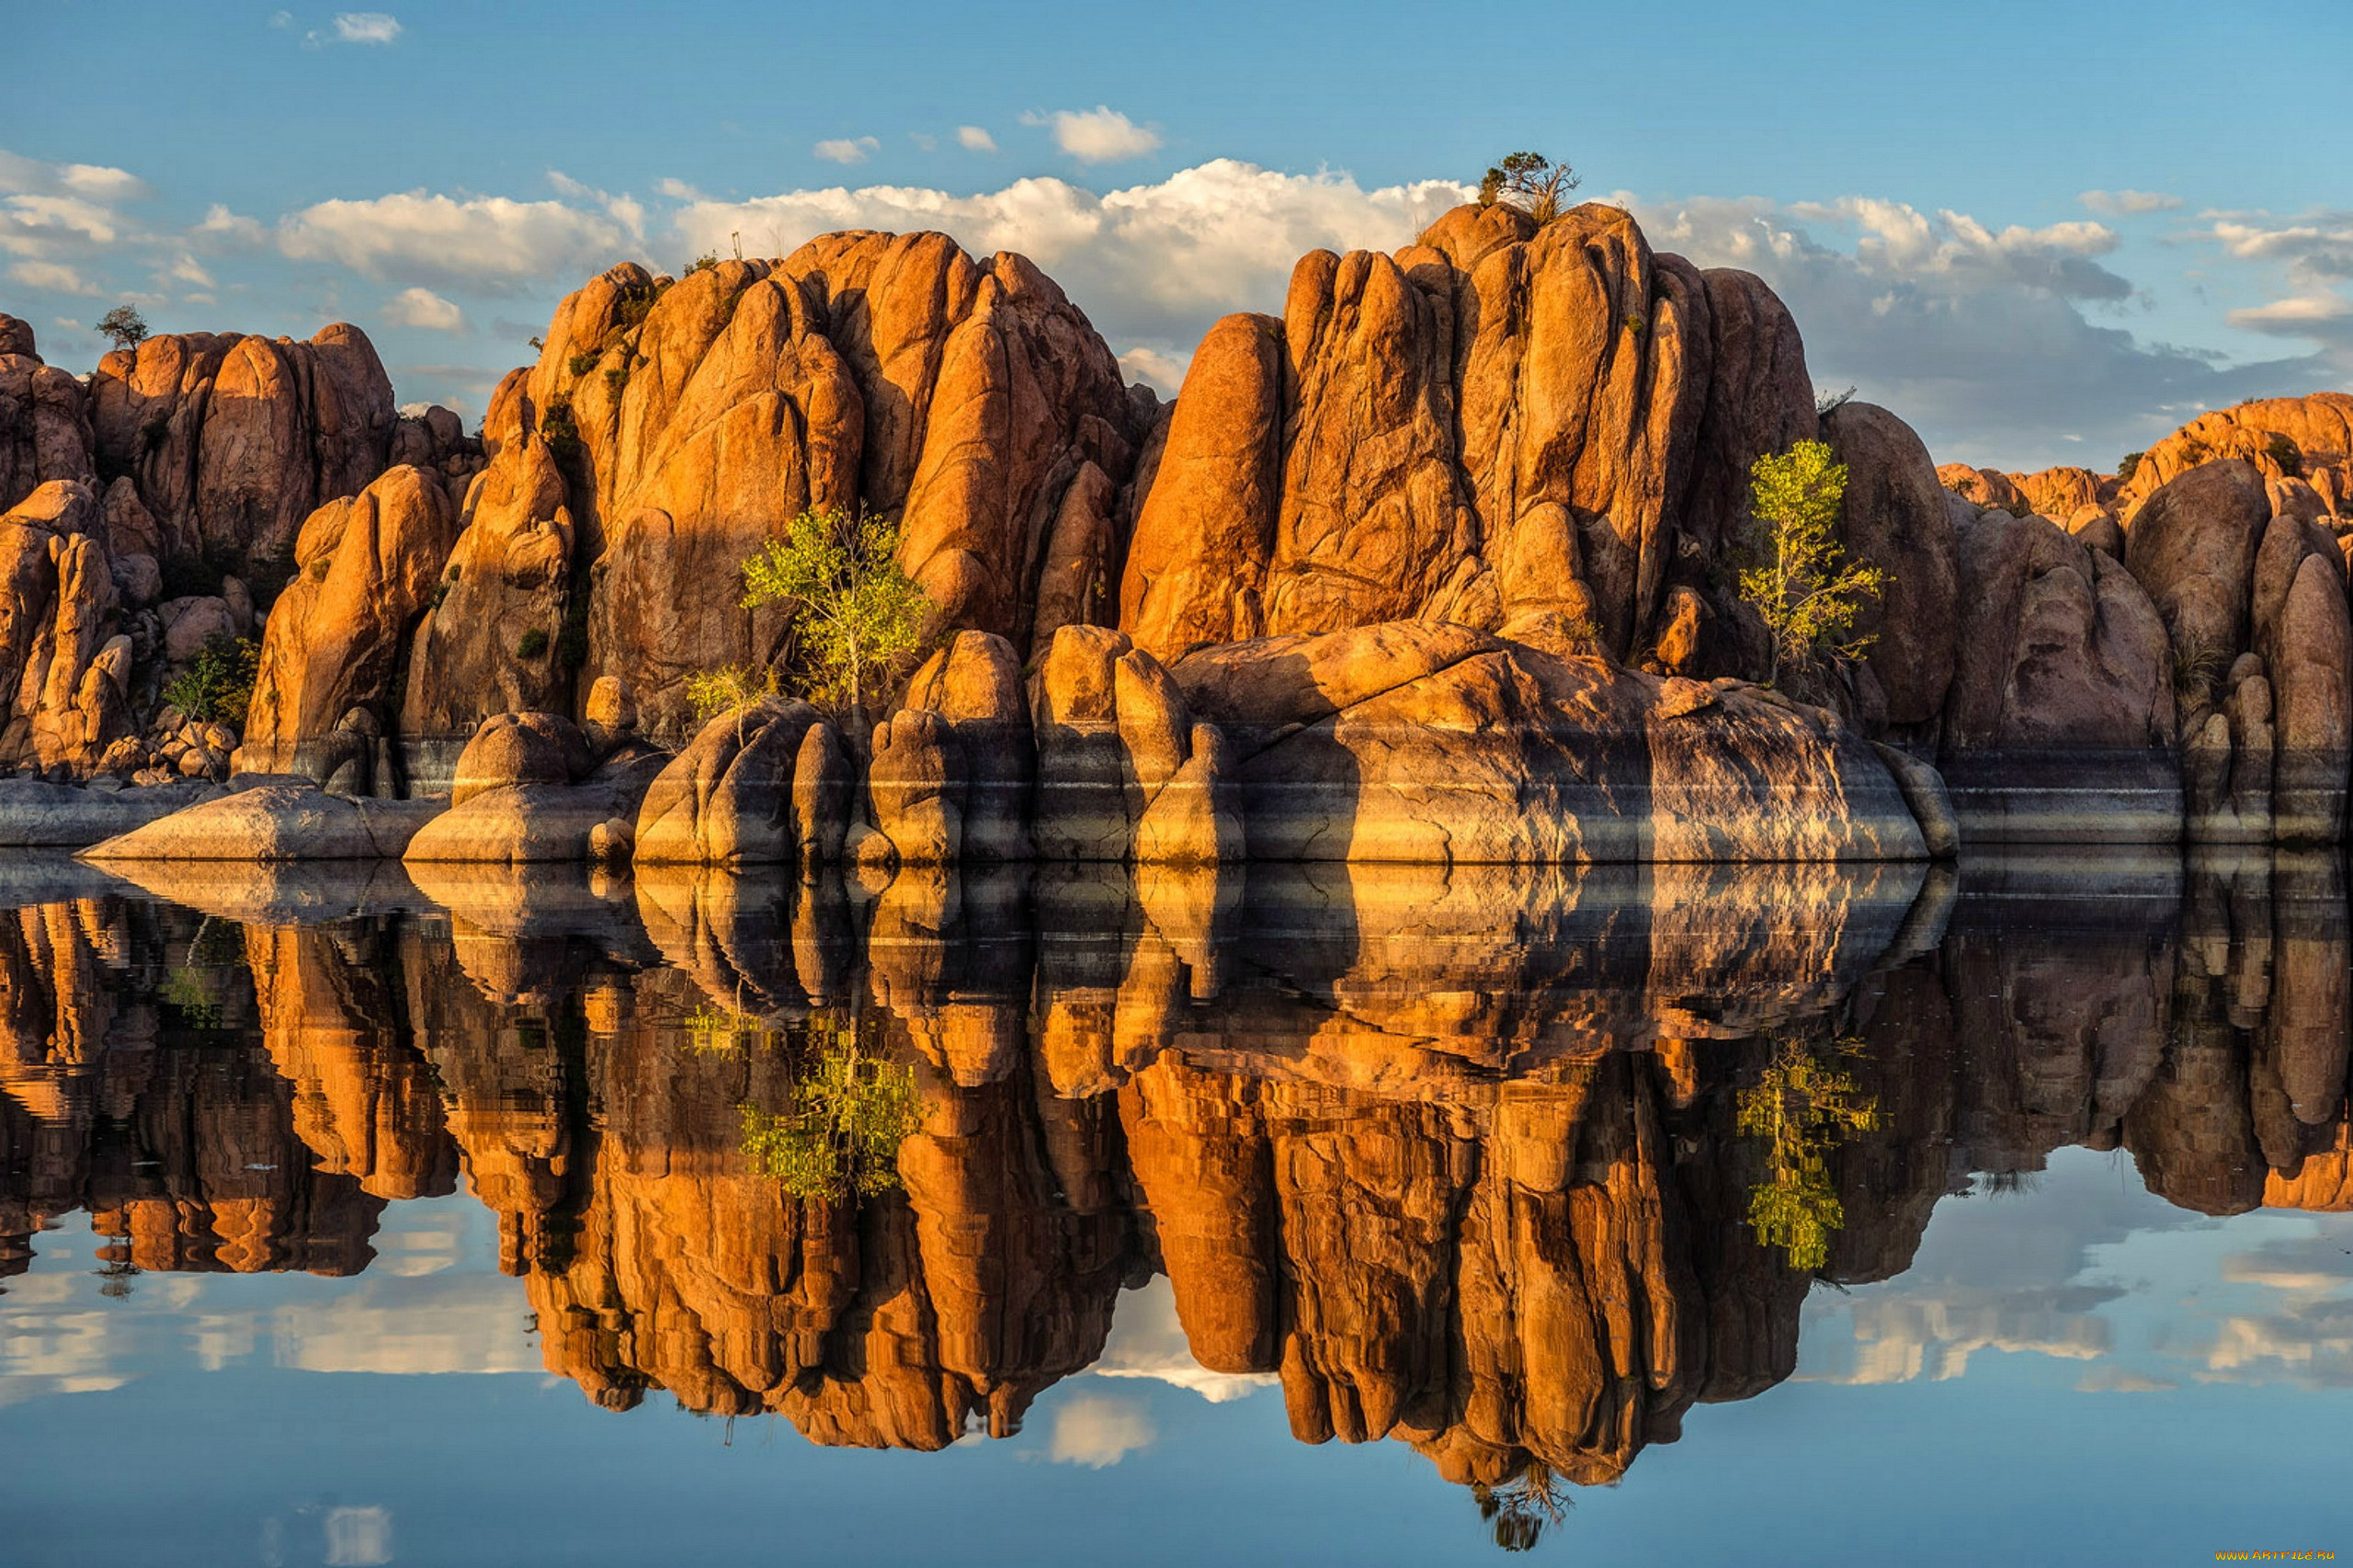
(1434, 567)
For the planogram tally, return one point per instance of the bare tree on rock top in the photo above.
(1531, 182)
(124, 326)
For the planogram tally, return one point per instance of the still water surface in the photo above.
(1778, 1214)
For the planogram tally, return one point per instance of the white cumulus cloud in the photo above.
(492, 243)
(1151, 265)
(1097, 135)
(1097, 1431)
(972, 138)
(424, 309)
(847, 149)
(1976, 335)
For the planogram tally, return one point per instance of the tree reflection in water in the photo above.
(1804, 1107)
(1516, 1168)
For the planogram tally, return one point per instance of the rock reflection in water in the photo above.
(1473, 1160)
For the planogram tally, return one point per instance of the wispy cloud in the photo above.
(972, 138)
(365, 26)
(2127, 203)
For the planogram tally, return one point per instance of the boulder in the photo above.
(2060, 723)
(2192, 546)
(520, 748)
(2313, 667)
(975, 684)
(1896, 519)
(1081, 811)
(728, 798)
(276, 822)
(824, 782)
(35, 814)
(917, 783)
(529, 823)
(366, 568)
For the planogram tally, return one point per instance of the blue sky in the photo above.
(1912, 179)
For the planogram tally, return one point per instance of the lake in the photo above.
(1802, 1215)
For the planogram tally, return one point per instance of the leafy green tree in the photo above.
(217, 686)
(1798, 577)
(123, 326)
(1804, 1107)
(851, 1110)
(859, 615)
(1531, 182)
(2128, 466)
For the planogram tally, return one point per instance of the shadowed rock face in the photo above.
(1462, 1158)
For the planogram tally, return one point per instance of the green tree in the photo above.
(217, 686)
(851, 1110)
(1797, 576)
(1531, 182)
(2128, 466)
(123, 326)
(1803, 1107)
(859, 615)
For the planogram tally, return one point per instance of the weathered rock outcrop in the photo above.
(1496, 421)
(967, 399)
(233, 441)
(2060, 725)
(1412, 741)
(45, 420)
(2303, 446)
(366, 568)
(529, 787)
(66, 674)
(497, 634)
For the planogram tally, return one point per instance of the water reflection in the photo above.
(1513, 1167)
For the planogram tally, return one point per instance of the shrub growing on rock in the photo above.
(1797, 575)
(1531, 182)
(713, 692)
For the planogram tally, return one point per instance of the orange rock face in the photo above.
(2292, 441)
(690, 418)
(366, 569)
(1492, 422)
(234, 440)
